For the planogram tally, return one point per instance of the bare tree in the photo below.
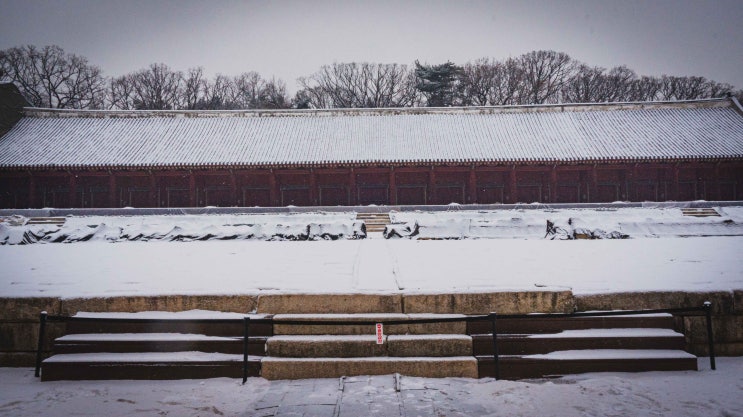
(491, 83)
(120, 93)
(595, 85)
(194, 86)
(219, 94)
(618, 85)
(354, 85)
(273, 95)
(478, 82)
(645, 89)
(157, 88)
(682, 88)
(544, 75)
(247, 90)
(50, 77)
(311, 97)
(587, 85)
(716, 90)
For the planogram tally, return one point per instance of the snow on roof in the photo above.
(693, 130)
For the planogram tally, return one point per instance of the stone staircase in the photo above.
(375, 222)
(168, 349)
(535, 348)
(700, 212)
(346, 345)
(329, 351)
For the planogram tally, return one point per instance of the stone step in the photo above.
(154, 365)
(556, 325)
(349, 346)
(375, 222)
(219, 328)
(700, 212)
(281, 328)
(579, 340)
(582, 361)
(274, 368)
(156, 342)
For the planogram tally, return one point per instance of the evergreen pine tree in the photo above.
(438, 83)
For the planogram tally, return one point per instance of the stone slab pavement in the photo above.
(385, 395)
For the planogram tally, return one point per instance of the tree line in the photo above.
(50, 77)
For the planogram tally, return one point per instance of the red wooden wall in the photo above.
(411, 185)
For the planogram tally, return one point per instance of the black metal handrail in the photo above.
(492, 318)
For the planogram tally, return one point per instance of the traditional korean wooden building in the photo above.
(551, 154)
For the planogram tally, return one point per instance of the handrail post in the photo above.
(495, 345)
(40, 345)
(710, 336)
(246, 336)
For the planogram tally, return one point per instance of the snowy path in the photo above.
(247, 267)
(678, 394)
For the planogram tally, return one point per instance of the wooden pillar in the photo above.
(192, 194)
(631, 184)
(273, 192)
(313, 188)
(513, 190)
(716, 189)
(583, 187)
(154, 195)
(233, 189)
(113, 200)
(594, 185)
(432, 186)
(472, 186)
(393, 187)
(352, 186)
(31, 190)
(553, 185)
(701, 191)
(72, 190)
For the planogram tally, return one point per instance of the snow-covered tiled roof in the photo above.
(698, 130)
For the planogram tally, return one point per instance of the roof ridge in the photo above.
(386, 111)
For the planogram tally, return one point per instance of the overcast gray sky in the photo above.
(288, 39)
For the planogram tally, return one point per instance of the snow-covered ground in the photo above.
(665, 251)
(373, 265)
(678, 394)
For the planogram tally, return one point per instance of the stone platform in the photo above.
(19, 317)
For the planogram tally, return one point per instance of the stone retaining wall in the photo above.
(19, 317)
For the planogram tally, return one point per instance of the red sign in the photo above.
(380, 334)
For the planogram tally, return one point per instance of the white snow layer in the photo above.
(169, 315)
(656, 261)
(678, 394)
(145, 357)
(607, 333)
(141, 337)
(612, 354)
(378, 266)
